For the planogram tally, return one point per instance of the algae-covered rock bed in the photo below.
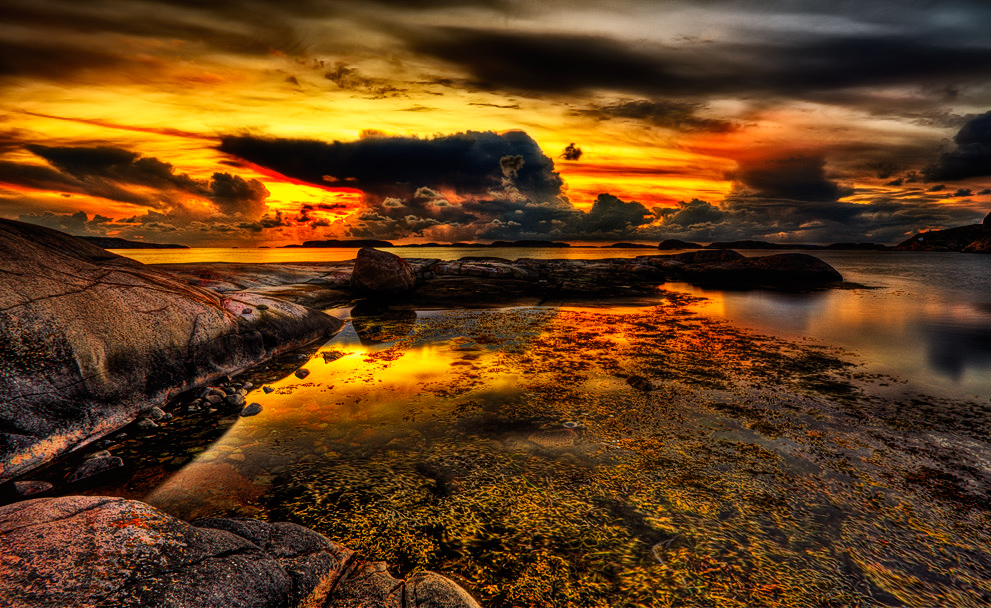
(615, 456)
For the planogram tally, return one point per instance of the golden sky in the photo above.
(270, 123)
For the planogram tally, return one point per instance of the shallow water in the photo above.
(927, 317)
(520, 452)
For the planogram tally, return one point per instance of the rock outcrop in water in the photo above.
(378, 273)
(481, 281)
(975, 238)
(88, 551)
(89, 340)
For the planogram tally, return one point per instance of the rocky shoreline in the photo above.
(93, 342)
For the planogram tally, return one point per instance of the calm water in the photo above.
(927, 318)
(662, 455)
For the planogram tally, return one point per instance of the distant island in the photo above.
(344, 243)
(107, 242)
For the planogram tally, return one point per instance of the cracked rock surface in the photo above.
(89, 339)
(89, 551)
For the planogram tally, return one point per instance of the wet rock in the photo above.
(89, 550)
(214, 399)
(301, 373)
(27, 489)
(268, 390)
(235, 400)
(100, 454)
(330, 356)
(554, 438)
(247, 386)
(94, 467)
(378, 273)
(92, 339)
(146, 424)
(783, 270)
(640, 383)
(251, 409)
(156, 413)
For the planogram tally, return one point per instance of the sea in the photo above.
(921, 316)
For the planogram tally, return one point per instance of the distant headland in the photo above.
(108, 242)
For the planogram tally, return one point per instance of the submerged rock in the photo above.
(379, 273)
(89, 340)
(96, 466)
(251, 409)
(89, 551)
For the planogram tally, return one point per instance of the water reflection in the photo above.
(938, 343)
(376, 323)
(508, 449)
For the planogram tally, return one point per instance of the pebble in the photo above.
(262, 307)
(235, 400)
(155, 413)
(251, 409)
(192, 407)
(247, 386)
(302, 373)
(268, 389)
(100, 454)
(147, 424)
(246, 311)
(214, 399)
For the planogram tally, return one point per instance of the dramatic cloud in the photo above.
(800, 178)
(677, 115)
(883, 221)
(543, 62)
(972, 155)
(571, 152)
(465, 164)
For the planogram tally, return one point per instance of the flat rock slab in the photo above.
(89, 551)
(89, 339)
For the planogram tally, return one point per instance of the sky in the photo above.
(239, 123)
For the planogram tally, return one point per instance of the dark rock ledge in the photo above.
(480, 281)
(89, 551)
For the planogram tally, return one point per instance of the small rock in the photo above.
(25, 489)
(192, 407)
(214, 399)
(554, 438)
(146, 424)
(251, 409)
(302, 373)
(96, 466)
(155, 413)
(104, 443)
(235, 400)
(262, 307)
(247, 386)
(331, 355)
(215, 391)
(640, 383)
(268, 389)
(246, 311)
(100, 454)
(237, 457)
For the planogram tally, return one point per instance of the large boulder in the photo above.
(89, 340)
(88, 551)
(379, 273)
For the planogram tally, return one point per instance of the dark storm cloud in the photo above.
(881, 221)
(972, 155)
(610, 215)
(677, 115)
(468, 164)
(111, 172)
(800, 178)
(542, 62)
(571, 152)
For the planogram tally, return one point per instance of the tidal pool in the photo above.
(639, 456)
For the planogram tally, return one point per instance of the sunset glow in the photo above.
(722, 122)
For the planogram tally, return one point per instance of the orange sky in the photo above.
(763, 155)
